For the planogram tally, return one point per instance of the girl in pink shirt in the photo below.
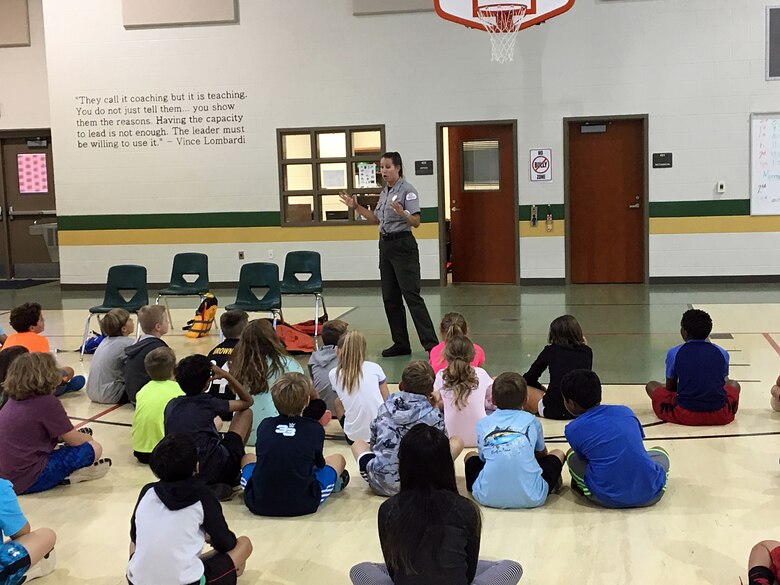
(463, 390)
(453, 324)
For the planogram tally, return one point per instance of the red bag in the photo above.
(296, 342)
(308, 326)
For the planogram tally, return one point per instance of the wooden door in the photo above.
(606, 229)
(30, 209)
(483, 204)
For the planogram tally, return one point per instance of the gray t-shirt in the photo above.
(106, 380)
(405, 194)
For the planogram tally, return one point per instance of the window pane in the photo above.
(297, 178)
(33, 176)
(333, 208)
(296, 146)
(332, 145)
(300, 209)
(367, 200)
(480, 165)
(366, 142)
(333, 176)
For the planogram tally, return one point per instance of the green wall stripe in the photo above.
(700, 208)
(541, 210)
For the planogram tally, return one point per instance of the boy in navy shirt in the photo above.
(697, 390)
(232, 324)
(290, 476)
(607, 460)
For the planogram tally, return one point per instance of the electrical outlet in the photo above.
(721, 187)
(240, 254)
(270, 254)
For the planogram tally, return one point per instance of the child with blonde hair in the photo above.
(453, 324)
(33, 422)
(153, 320)
(361, 387)
(463, 390)
(106, 382)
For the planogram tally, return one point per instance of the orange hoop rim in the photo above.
(507, 16)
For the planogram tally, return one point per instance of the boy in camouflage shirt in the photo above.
(412, 405)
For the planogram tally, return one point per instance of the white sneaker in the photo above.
(43, 567)
(95, 471)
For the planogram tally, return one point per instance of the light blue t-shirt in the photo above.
(507, 441)
(12, 519)
(263, 407)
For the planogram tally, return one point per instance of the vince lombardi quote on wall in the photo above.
(153, 120)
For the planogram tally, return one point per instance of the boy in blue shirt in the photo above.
(512, 468)
(698, 390)
(607, 460)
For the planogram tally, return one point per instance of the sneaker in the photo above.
(341, 482)
(396, 350)
(43, 567)
(95, 471)
(223, 491)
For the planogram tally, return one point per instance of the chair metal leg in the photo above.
(316, 313)
(137, 329)
(168, 310)
(84, 339)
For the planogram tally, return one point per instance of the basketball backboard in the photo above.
(465, 12)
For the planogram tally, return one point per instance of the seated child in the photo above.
(232, 324)
(698, 390)
(219, 458)
(28, 321)
(464, 390)
(151, 400)
(607, 460)
(28, 553)
(567, 350)
(413, 404)
(174, 518)
(764, 563)
(153, 320)
(512, 468)
(260, 358)
(33, 422)
(361, 387)
(289, 475)
(453, 324)
(774, 392)
(106, 382)
(7, 357)
(324, 360)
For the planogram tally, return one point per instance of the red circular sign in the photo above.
(540, 164)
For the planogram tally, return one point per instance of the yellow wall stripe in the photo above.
(727, 224)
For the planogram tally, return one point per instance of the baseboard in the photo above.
(542, 281)
(757, 279)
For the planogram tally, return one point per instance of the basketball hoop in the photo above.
(503, 22)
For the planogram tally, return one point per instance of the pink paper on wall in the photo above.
(33, 177)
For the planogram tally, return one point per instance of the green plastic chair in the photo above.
(259, 275)
(304, 262)
(186, 264)
(125, 277)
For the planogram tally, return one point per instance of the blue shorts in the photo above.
(326, 476)
(62, 462)
(14, 562)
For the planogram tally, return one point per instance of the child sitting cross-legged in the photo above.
(453, 324)
(148, 418)
(607, 460)
(33, 422)
(174, 518)
(106, 382)
(289, 476)
(232, 324)
(512, 468)
(325, 359)
(198, 413)
(153, 320)
(412, 405)
(698, 390)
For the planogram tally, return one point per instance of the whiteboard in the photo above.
(765, 164)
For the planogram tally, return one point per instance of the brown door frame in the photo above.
(440, 180)
(646, 190)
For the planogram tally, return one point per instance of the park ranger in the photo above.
(397, 212)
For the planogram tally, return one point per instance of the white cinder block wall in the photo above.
(696, 67)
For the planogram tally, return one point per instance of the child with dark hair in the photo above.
(324, 360)
(453, 324)
(289, 475)
(607, 460)
(512, 468)
(106, 382)
(430, 533)
(567, 350)
(7, 357)
(174, 518)
(413, 404)
(149, 416)
(232, 323)
(698, 390)
(219, 457)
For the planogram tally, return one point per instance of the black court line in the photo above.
(729, 436)
(101, 422)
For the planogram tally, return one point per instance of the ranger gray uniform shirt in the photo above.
(406, 195)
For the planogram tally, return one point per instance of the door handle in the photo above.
(38, 213)
(455, 208)
(634, 206)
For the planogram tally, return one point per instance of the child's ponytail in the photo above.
(351, 354)
(459, 376)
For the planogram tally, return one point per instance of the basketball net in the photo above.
(503, 22)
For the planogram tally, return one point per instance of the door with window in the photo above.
(483, 203)
(29, 216)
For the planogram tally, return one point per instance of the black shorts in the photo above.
(234, 446)
(219, 569)
(550, 464)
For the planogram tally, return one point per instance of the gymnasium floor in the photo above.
(722, 495)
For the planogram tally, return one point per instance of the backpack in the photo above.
(91, 344)
(295, 341)
(204, 318)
